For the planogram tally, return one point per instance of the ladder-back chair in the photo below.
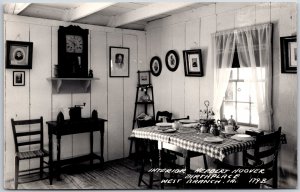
(266, 151)
(35, 148)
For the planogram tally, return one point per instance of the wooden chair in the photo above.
(265, 151)
(39, 152)
(149, 150)
(172, 152)
(161, 114)
(147, 123)
(243, 181)
(173, 120)
(149, 153)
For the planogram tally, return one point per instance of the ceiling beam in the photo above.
(146, 12)
(15, 8)
(85, 10)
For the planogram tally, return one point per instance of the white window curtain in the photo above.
(254, 47)
(223, 51)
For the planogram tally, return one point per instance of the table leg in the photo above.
(161, 166)
(91, 147)
(187, 165)
(50, 157)
(101, 147)
(58, 137)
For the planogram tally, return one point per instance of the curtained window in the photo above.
(251, 47)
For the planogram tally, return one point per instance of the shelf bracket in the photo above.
(86, 84)
(58, 85)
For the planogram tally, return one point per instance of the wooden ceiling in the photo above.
(126, 15)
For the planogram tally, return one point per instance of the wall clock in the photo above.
(72, 51)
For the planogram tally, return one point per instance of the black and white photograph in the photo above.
(18, 78)
(155, 95)
(19, 55)
(155, 66)
(172, 60)
(293, 54)
(193, 63)
(288, 45)
(119, 62)
(144, 78)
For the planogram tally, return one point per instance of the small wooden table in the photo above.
(69, 127)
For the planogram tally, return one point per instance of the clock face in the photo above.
(74, 44)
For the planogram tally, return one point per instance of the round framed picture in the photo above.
(172, 60)
(155, 66)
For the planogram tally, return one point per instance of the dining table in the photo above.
(187, 141)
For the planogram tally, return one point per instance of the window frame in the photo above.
(235, 101)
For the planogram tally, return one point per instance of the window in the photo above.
(239, 100)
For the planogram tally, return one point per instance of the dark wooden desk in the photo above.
(68, 127)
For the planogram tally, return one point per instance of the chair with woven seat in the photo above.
(37, 146)
(266, 149)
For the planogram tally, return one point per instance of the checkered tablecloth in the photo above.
(151, 133)
(189, 140)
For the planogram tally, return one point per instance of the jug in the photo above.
(176, 125)
(232, 122)
(203, 128)
(214, 130)
(223, 122)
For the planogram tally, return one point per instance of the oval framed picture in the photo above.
(155, 66)
(172, 60)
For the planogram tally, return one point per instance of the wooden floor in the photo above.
(119, 174)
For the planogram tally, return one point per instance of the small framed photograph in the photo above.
(118, 62)
(18, 55)
(288, 47)
(155, 66)
(172, 60)
(144, 78)
(193, 63)
(19, 78)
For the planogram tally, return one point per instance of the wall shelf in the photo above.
(57, 82)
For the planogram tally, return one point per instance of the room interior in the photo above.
(138, 32)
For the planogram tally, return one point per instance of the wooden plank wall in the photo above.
(15, 31)
(113, 98)
(193, 29)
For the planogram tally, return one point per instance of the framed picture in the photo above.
(19, 78)
(18, 55)
(193, 63)
(118, 62)
(172, 60)
(144, 78)
(155, 66)
(288, 47)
